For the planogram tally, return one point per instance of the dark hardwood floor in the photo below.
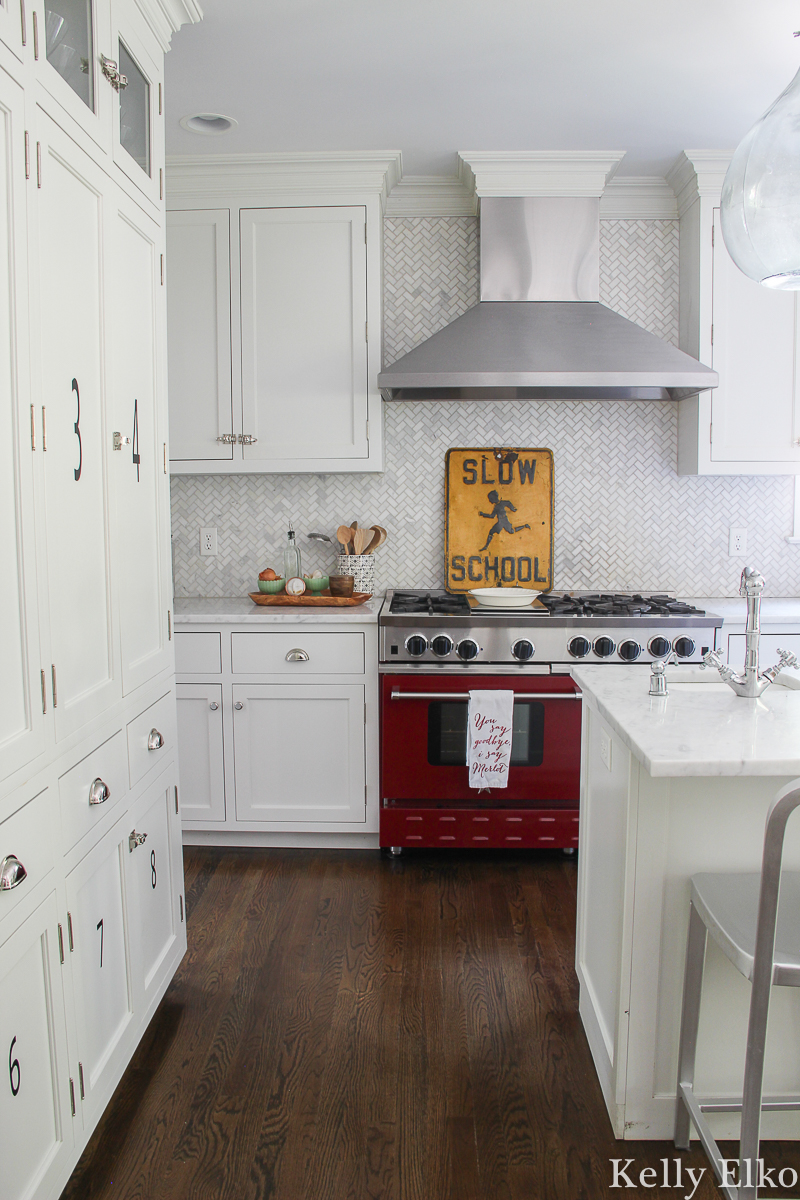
(350, 1027)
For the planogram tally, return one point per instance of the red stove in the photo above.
(435, 647)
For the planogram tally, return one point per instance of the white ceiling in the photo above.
(430, 77)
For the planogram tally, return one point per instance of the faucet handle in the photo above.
(712, 658)
(786, 659)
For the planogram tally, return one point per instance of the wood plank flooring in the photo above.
(350, 1027)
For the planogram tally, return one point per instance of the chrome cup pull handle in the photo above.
(297, 655)
(99, 792)
(12, 873)
(155, 740)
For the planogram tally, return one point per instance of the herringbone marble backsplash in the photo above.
(623, 518)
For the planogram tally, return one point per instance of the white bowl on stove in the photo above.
(507, 597)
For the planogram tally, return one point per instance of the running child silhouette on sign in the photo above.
(499, 515)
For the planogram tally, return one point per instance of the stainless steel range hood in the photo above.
(539, 331)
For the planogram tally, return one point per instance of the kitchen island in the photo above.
(671, 786)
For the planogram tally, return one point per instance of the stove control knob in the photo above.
(523, 650)
(604, 647)
(630, 651)
(467, 649)
(684, 647)
(416, 645)
(579, 647)
(659, 647)
(442, 645)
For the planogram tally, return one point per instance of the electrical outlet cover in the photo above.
(208, 540)
(737, 541)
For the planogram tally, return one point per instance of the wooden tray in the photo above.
(310, 599)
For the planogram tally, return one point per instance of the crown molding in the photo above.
(431, 196)
(539, 172)
(165, 17)
(642, 197)
(330, 172)
(698, 173)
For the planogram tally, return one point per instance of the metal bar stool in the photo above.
(740, 911)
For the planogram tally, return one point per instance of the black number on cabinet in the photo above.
(13, 1065)
(153, 876)
(137, 458)
(77, 428)
(100, 927)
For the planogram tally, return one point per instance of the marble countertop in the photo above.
(240, 610)
(702, 727)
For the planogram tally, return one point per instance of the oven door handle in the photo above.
(523, 697)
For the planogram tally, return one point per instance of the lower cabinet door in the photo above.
(299, 752)
(35, 1116)
(154, 888)
(201, 765)
(99, 960)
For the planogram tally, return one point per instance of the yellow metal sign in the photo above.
(498, 518)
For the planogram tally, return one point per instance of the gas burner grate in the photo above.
(429, 603)
(616, 604)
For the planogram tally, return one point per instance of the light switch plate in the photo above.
(605, 748)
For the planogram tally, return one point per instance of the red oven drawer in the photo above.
(413, 769)
(470, 828)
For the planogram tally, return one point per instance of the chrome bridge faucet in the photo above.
(753, 682)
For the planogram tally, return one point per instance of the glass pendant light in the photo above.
(760, 208)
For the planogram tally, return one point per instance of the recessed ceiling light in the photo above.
(208, 123)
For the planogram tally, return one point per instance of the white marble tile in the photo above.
(700, 728)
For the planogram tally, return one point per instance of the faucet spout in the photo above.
(753, 682)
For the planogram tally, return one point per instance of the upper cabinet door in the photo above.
(199, 335)
(138, 125)
(21, 718)
(755, 346)
(72, 47)
(304, 336)
(139, 484)
(14, 25)
(72, 322)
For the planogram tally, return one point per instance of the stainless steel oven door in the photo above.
(424, 739)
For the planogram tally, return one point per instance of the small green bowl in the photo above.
(318, 584)
(271, 586)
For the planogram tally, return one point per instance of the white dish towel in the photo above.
(489, 724)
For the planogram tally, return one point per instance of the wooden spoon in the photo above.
(343, 536)
(382, 536)
(361, 539)
(373, 542)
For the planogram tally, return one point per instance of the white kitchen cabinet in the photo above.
(13, 26)
(278, 727)
(36, 1135)
(85, 590)
(137, 109)
(154, 890)
(299, 752)
(140, 485)
(199, 324)
(21, 716)
(304, 336)
(750, 423)
(304, 313)
(99, 953)
(202, 767)
(72, 246)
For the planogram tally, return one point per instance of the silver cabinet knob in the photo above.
(12, 873)
(297, 656)
(154, 741)
(99, 792)
(238, 704)
(213, 706)
(136, 839)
